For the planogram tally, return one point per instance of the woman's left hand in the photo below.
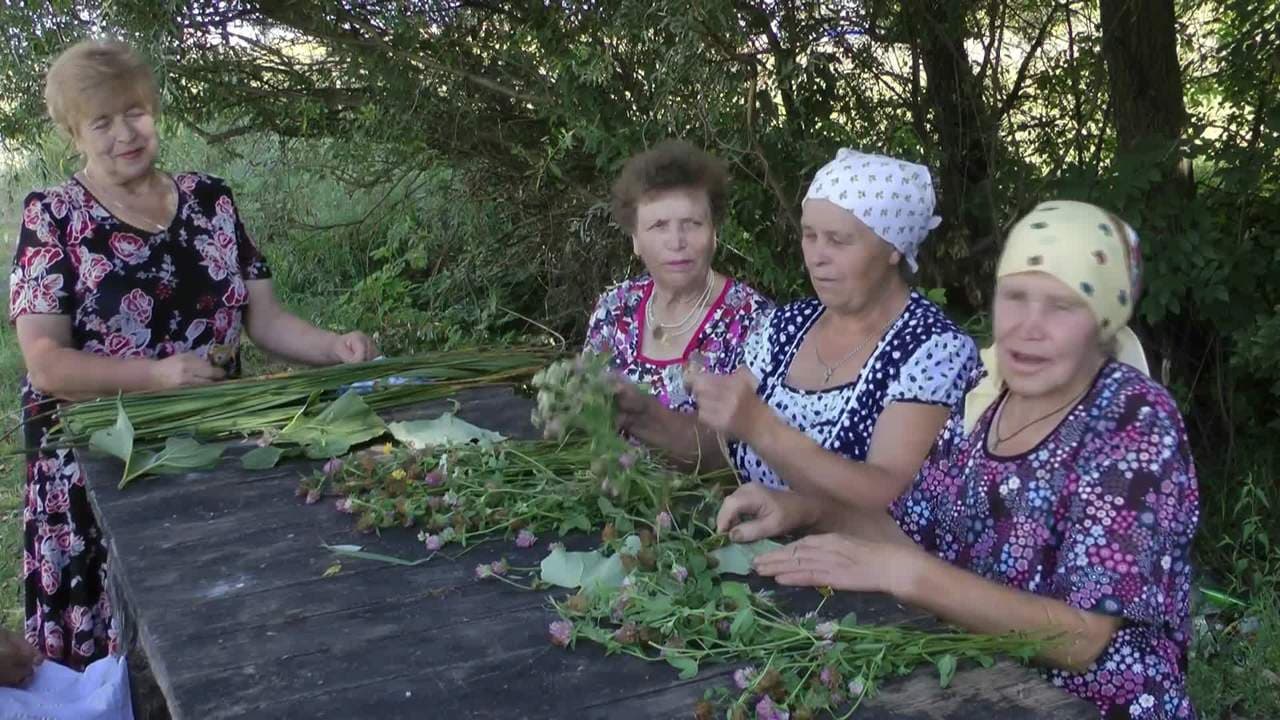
(353, 347)
(728, 403)
(842, 562)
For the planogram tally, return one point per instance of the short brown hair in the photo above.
(669, 165)
(97, 76)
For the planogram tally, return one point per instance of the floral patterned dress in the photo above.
(1099, 515)
(617, 327)
(129, 293)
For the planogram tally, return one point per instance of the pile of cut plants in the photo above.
(662, 585)
(318, 413)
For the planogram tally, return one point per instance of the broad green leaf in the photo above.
(343, 423)
(448, 429)
(117, 440)
(577, 521)
(850, 620)
(743, 621)
(604, 575)
(688, 667)
(562, 568)
(606, 508)
(262, 458)
(179, 455)
(631, 545)
(736, 591)
(587, 570)
(946, 669)
(736, 559)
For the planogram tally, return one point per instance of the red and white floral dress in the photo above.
(129, 293)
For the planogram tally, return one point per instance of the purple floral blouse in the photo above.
(617, 327)
(1099, 515)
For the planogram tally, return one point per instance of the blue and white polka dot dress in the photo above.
(923, 358)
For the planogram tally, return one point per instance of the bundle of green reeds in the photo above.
(241, 408)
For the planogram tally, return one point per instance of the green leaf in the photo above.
(606, 508)
(447, 429)
(116, 440)
(743, 622)
(850, 620)
(736, 559)
(262, 458)
(737, 592)
(343, 423)
(577, 521)
(179, 455)
(946, 669)
(688, 667)
(587, 570)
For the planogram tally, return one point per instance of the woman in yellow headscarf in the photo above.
(1069, 508)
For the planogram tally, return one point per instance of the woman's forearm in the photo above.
(281, 333)
(810, 469)
(1074, 637)
(681, 437)
(288, 336)
(71, 374)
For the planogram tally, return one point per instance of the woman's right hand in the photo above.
(185, 369)
(18, 660)
(754, 512)
(632, 403)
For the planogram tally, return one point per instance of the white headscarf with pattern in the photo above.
(892, 197)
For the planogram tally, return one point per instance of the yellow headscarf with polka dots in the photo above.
(1095, 254)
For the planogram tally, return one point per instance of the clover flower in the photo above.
(766, 710)
(561, 631)
(525, 538)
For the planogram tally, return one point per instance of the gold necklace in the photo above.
(681, 327)
(830, 370)
(107, 202)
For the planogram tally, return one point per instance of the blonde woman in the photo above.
(124, 278)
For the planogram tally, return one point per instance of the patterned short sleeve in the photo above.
(253, 266)
(43, 275)
(601, 327)
(1127, 552)
(940, 372)
(757, 350)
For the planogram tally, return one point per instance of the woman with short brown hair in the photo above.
(671, 199)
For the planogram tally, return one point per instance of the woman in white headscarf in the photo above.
(841, 395)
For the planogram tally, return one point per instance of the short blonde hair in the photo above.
(94, 77)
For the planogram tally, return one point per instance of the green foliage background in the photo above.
(437, 173)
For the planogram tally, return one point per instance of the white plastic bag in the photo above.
(57, 692)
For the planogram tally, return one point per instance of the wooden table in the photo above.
(218, 578)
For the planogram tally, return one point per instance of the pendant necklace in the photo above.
(678, 328)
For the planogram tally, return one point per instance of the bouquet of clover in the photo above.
(576, 397)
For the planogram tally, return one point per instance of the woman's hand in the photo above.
(728, 403)
(353, 347)
(184, 369)
(18, 660)
(634, 405)
(771, 513)
(844, 562)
